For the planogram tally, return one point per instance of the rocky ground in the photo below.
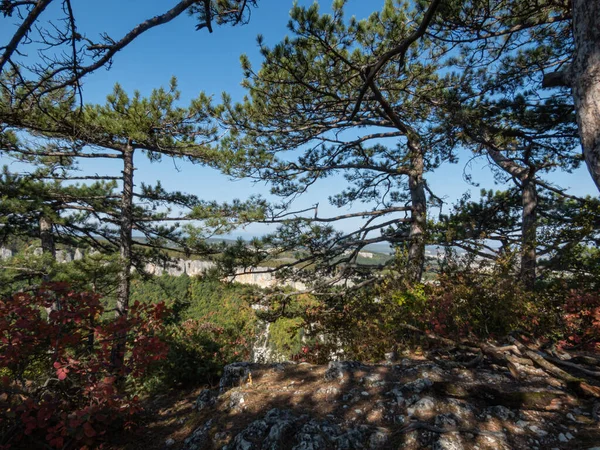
(497, 398)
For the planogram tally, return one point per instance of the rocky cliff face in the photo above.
(62, 256)
(255, 276)
(179, 267)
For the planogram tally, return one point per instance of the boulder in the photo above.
(206, 399)
(5, 253)
(341, 370)
(199, 439)
(233, 375)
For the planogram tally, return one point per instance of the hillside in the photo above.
(442, 400)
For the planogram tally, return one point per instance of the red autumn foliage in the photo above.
(59, 388)
(581, 315)
(314, 354)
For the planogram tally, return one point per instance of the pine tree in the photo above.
(490, 229)
(309, 98)
(122, 128)
(543, 50)
(524, 139)
(48, 213)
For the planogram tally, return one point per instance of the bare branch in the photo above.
(22, 31)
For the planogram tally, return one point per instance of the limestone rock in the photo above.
(418, 386)
(390, 357)
(447, 420)
(422, 408)
(280, 429)
(237, 401)
(233, 375)
(341, 370)
(502, 412)
(373, 380)
(206, 399)
(63, 256)
(199, 439)
(343, 406)
(449, 441)
(5, 253)
(378, 439)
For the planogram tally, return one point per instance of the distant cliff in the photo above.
(176, 267)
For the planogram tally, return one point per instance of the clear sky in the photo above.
(210, 62)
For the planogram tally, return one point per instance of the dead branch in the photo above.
(575, 383)
(578, 367)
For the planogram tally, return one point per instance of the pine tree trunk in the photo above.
(125, 240)
(126, 244)
(529, 232)
(586, 80)
(416, 186)
(529, 202)
(48, 248)
(47, 238)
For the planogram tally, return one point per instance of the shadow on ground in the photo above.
(412, 404)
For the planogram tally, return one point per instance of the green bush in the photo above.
(197, 352)
(285, 336)
(214, 326)
(463, 302)
(174, 291)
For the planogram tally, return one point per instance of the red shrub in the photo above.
(58, 385)
(581, 316)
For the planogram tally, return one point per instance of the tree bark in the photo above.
(126, 244)
(529, 231)
(586, 80)
(529, 202)
(48, 247)
(125, 240)
(416, 186)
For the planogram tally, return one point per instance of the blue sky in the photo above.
(210, 62)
